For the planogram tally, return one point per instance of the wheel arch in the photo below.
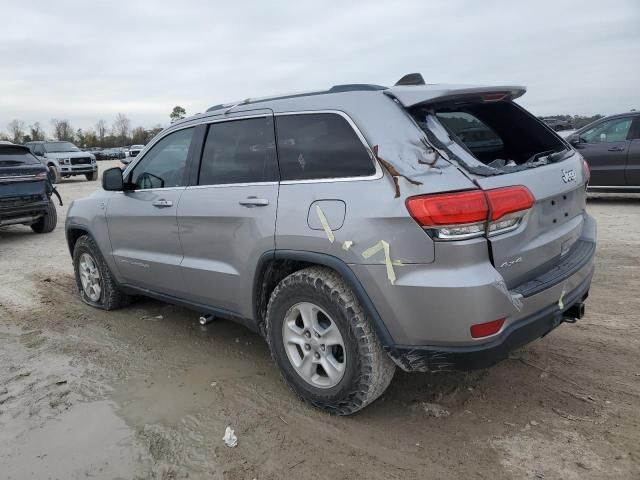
(275, 265)
(73, 233)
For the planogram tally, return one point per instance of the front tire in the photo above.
(93, 278)
(322, 341)
(91, 177)
(47, 223)
(54, 175)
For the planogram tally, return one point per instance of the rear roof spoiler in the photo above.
(412, 95)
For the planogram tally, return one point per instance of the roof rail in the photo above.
(350, 87)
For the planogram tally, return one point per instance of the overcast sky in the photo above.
(86, 60)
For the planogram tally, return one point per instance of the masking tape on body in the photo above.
(325, 224)
(384, 246)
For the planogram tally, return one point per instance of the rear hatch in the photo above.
(498, 145)
(23, 179)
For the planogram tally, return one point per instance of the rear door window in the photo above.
(239, 151)
(318, 146)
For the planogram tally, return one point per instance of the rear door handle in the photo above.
(162, 203)
(254, 202)
(616, 149)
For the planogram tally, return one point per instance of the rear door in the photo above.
(605, 147)
(632, 172)
(142, 222)
(227, 216)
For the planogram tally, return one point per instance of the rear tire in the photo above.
(93, 277)
(48, 222)
(54, 175)
(91, 177)
(365, 368)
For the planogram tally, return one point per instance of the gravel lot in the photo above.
(146, 392)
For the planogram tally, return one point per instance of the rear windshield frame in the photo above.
(552, 148)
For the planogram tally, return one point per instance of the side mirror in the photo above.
(574, 139)
(112, 180)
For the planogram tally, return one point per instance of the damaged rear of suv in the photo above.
(357, 229)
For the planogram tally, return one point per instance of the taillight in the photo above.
(472, 213)
(587, 170)
(41, 175)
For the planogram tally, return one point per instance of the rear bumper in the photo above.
(27, 212)
(525, 330)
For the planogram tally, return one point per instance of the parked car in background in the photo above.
(25, 190)
(64, 160)
(97, 152)
(611, 147)
(113, 154)
(354, 228)
(558, 124)
(135, 150)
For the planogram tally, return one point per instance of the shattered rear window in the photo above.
(490, 138)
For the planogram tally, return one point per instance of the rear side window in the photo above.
(239, 151)
(14, 156)
(320, 145)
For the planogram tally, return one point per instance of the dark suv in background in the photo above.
(611, 147)
(25, 190)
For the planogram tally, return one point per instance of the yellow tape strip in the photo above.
(346, 245)
(325, 224)
(384, 246)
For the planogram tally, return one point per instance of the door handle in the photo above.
(254, 202)
(616, 149)
(162, 203)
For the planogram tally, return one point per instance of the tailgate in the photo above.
(551, 227)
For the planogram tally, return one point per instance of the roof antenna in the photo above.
(411, 79)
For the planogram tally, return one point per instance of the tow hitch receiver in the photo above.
(573, 313)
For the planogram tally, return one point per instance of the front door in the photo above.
(605, 147)
(142, 220)
(227, 219)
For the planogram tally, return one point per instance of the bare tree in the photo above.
(37, 132)
(101, 131)
(16, 130)
(138, 136)
(121, 127)
(62, 129)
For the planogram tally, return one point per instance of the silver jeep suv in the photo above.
(354, 228)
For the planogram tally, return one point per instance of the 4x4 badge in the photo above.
(568, 176)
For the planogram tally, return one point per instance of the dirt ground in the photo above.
(146, 392)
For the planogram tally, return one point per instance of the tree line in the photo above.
(102, 135)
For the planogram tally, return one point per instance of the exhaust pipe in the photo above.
(573, 313)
